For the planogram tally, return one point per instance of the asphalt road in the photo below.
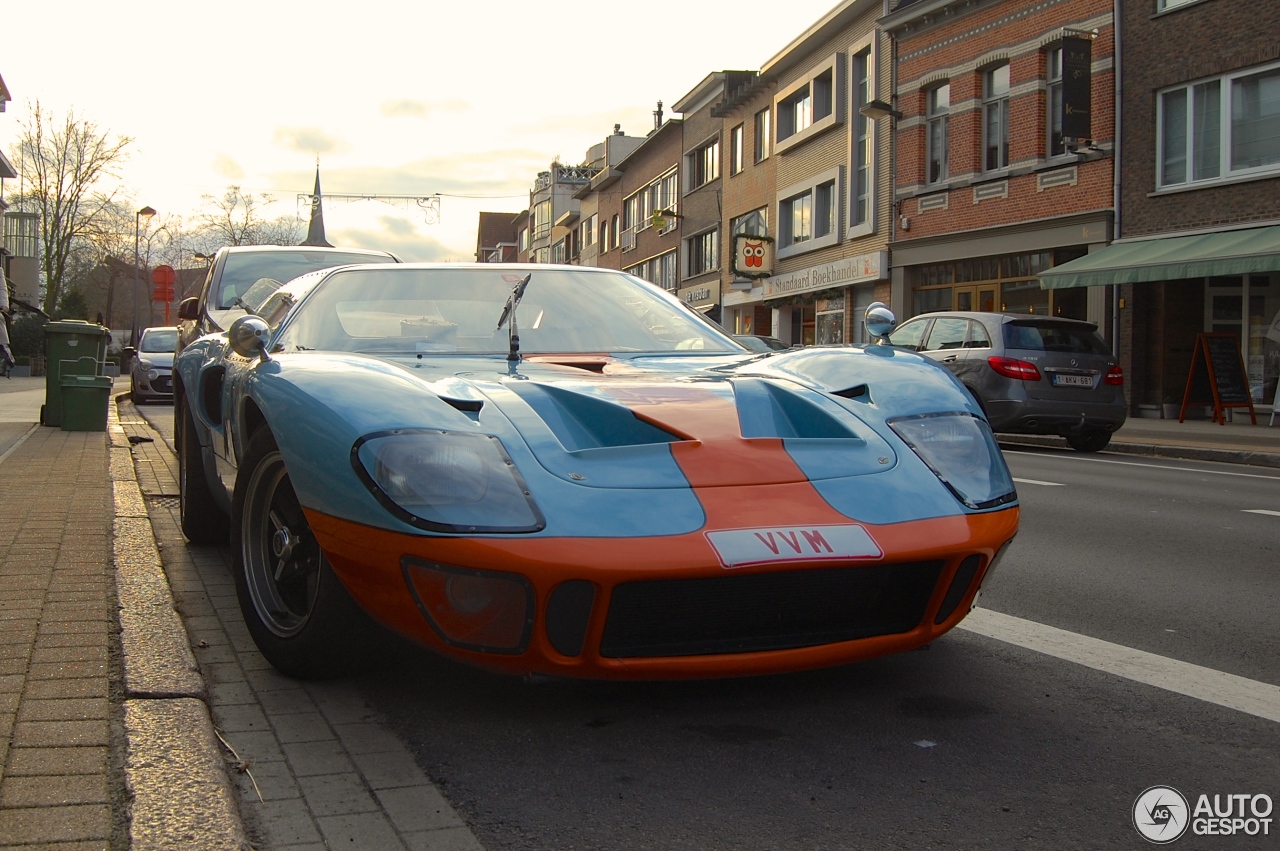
(970, 743)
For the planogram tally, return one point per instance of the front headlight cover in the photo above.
(961, 451)
(446, 481)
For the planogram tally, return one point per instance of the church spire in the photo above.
(315, 230)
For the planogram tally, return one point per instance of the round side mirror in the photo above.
(880, 320)
(248, 337)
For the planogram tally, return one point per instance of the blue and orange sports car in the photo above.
(567, 471)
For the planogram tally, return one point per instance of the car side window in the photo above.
(948, 332)
(909, 335)
(978, 337)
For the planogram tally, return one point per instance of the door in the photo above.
(981, 298)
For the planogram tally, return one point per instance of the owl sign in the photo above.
(752, 256)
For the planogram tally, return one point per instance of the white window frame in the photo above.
(862, 141)
(785, 246)
(763, 124)
(702, 164)
(937, 118)
(736, 156)
(999, 103)
(738, 224)
(786, 135)
(702, 253)
(1193, 91)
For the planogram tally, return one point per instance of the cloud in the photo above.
(224, 165)
(401, 238)
(410, 108)
(307, 140)
(500, 174)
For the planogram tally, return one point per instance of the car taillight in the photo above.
(1011, 368)
(1114, 376)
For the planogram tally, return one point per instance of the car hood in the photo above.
(157, 359)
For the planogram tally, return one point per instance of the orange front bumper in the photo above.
(369, 562)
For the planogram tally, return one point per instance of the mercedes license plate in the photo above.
(1072, 381)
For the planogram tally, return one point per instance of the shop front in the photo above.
(824, 304)
(1175, 288)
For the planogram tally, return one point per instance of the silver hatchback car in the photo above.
(1030, 374)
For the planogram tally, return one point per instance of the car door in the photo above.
(945, 343)
(910, 334)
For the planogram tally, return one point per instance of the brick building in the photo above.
(650, 183)
(1198, 227)
(991, 187)
(496, 238)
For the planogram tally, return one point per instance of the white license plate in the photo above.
(1072, 381)
(742, 547)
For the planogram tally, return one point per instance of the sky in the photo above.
(466, 99)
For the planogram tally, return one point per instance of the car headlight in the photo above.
(145, 364)
(446, 481)
(152, 374)
(961, 450)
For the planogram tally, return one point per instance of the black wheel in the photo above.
(1089, 441)
(203, 522)
(133, 396)
(297, 610)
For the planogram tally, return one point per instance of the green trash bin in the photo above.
(71, 347)
(85, 399)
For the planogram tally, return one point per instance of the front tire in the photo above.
(1089, 441)
(297, 610)
(202, 521)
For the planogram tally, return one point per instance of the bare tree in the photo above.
(238, 218)
(69, 169)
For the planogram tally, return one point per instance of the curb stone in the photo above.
(176, 775)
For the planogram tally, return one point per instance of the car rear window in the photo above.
(1054, 337)
(242, 271)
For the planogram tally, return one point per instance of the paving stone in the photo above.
(54, 791)
(67, 709)
(54, 761)
(448, 839)
(415, 808)
(274, 781)
(239, 718)
(55, 824)
(389, 770)
(337, 794)
(88, 687)
(285, 823)
(366, 831)
(311, 758)
(53, 734)
(71, 653)
(286, 702)
(366, 737)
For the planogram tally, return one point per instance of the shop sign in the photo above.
(752, 256)
(1077, 60)
(700, 295)
(838, 273)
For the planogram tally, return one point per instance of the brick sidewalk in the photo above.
(61, 728)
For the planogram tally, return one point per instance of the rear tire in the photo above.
(1089, 441)
(134, 397)
(297, 610)
(202, 521)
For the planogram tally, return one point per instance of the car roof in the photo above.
(300, 249)
(1004, 317)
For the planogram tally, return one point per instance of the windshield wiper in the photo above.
(240, 303)
(509, 310)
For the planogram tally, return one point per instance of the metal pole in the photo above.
(137, 227)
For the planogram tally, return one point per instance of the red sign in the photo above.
(164, 276)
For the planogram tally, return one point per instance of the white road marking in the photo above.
(1260, 511)
(1217, 687)
(1038, 482)
(1158, 466)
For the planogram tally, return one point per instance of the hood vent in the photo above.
(581, 421)
(773, 409)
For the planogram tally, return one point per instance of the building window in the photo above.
(703, 253)
(604, 235)
(1200, 140)
(1054, 146)
(809, 107)
(703, 164)
(524, 239)
(995, 118)
(735, 149)
(1171, 4)
(763, 137)
(938, 110)
(660, 270)
(616, 230)
(542, 220)
(808, 214)
(860, 198)
(755, 223)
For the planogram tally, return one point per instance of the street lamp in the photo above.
(144, 213)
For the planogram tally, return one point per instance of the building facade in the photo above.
(650, 184)
(1003, 169)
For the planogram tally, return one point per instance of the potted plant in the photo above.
(1171, 407)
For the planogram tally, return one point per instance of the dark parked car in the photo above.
(1030, 374)
(761, 343)
(150, 376)
(236, 269)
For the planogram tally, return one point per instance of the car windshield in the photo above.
(444, 310)
(1054, 337)
(165, 340)
(242, 270)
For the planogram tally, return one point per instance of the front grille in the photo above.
(766, 611)
(163, 384)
